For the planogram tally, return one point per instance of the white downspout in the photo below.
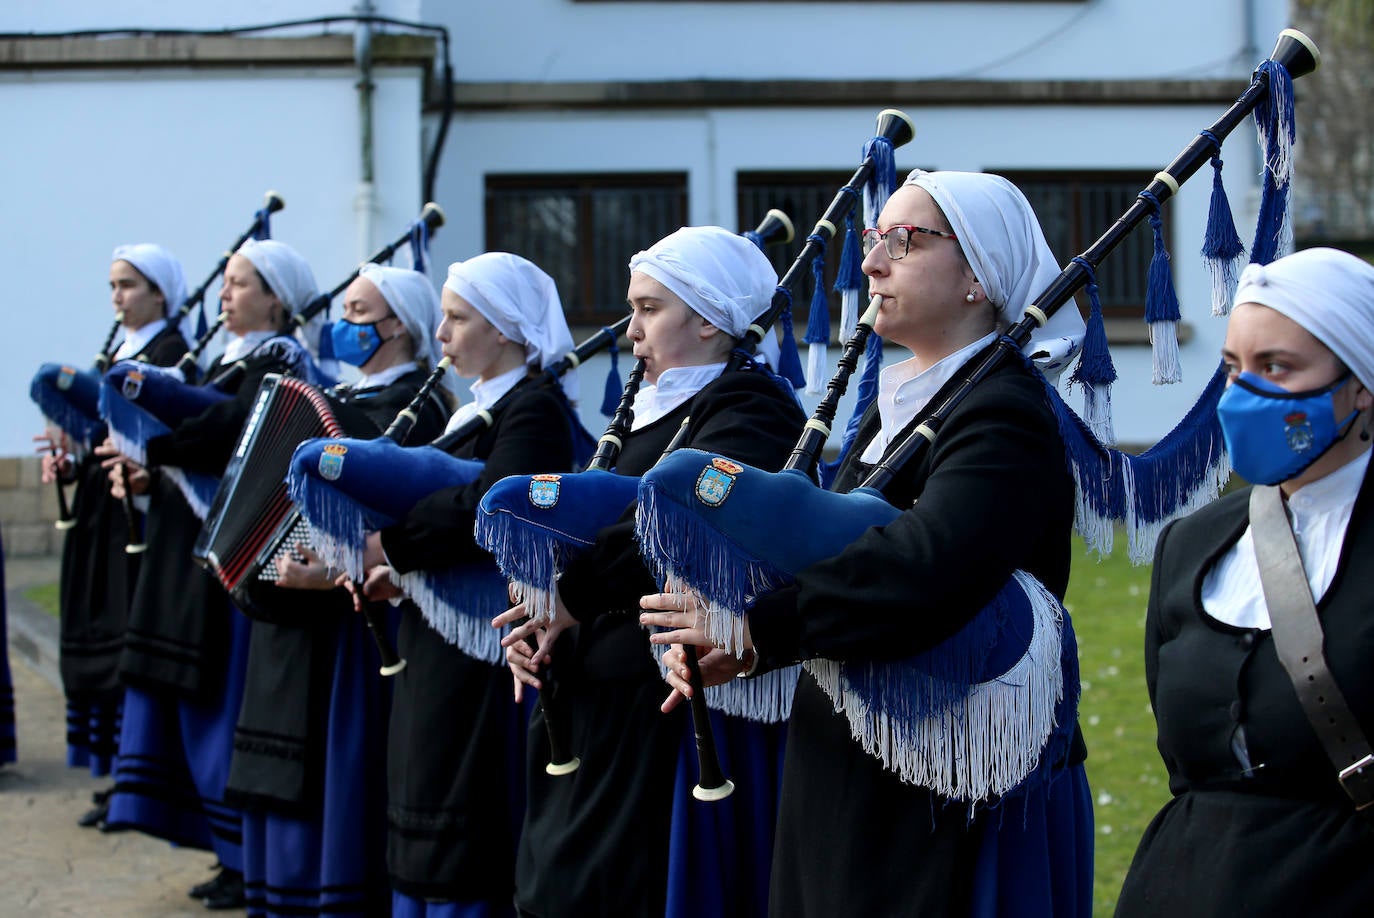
(365, 201)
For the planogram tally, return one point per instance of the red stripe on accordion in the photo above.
(256, 504)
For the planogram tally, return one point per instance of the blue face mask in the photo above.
(354, 344)
(1273, 434)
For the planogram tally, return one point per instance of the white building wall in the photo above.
(559, 40)
(183, 157)
(94, 160)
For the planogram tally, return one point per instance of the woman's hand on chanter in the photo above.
(679, 613)
(545, 632)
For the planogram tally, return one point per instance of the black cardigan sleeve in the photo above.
(742, 415)
(205, 442)
(532, 435)
(997, 485)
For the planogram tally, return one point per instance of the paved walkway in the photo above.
(48, 865)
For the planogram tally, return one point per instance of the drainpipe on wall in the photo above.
(365, 202)
(1254, 164)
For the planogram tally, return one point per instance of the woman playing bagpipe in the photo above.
(1258, 634)
(97, 574)
(596, 841)
(456, 739)
(186, 647)
(308, 766)
(864, 826)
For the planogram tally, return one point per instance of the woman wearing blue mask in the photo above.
(309, 766)
(1258, 635)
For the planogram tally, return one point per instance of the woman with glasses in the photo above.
(1262, 822)
(955, 258)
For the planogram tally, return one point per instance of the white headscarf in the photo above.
(522, 302)
(412, 297)
(1326, 291)
(288, 275)
(1000, 236)
(720, 275)
(159, 266)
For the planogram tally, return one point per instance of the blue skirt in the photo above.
(174, 761)
(332, 863)
(1036, 860)
(93, 736)
(403, 906)
(720, 853)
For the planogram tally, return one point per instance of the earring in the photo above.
(1364, 430)
(970, 297)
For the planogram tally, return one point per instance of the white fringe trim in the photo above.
(849, 314)
(538, 599)
(341, 554)
(817, 369)
(199, 505)
(765, 699)
(1224, 277)
(1097, 412)
(1098, 531)
(1164, 353)
(986, 745)
(471, 634)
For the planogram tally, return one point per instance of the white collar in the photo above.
(1320, 514)
(904, 389)
(382, 377)
(1332, 489)
(136, 340)
(239, 345)
(487, 393)
(675, 385)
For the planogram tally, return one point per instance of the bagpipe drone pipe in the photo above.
(250, 523)
(345, 489)
(534, 524)
(69, 397)
(710, 525)
(140, 402)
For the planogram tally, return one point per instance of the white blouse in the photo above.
(904, 389)
(1320, 512)
(674, 386)
(485, 394)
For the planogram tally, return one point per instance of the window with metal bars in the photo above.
(583, 229)
(803, 196)
(1075, 208)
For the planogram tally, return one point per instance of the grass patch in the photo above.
(45, 597)
(1129, 784)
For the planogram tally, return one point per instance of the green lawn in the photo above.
(1107, 601)
(45, 597)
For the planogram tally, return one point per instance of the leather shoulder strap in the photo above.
(1298, 640)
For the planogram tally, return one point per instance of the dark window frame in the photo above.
(804, 195)
(583, 303)
(1121, 291)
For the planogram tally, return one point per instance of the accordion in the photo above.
(252, 522)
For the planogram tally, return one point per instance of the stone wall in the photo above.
(27, 509)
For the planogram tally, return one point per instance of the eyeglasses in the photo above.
(897, 240)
